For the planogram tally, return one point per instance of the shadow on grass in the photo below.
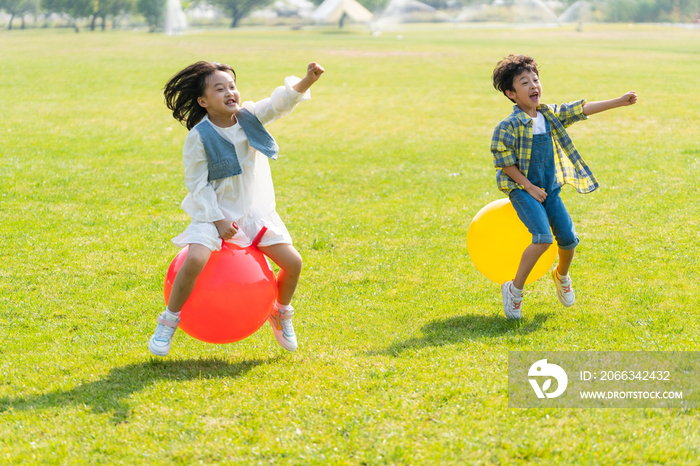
(463, 328)
(109, 394)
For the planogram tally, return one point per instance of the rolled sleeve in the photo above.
(289, 83)
(570, 113)
(202, 193)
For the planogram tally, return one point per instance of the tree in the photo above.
(119, 9)
(75, 9)
(18, 8)
(103, 8)
(239, 9)
(153, 11)
(32, 7)
(100, 8)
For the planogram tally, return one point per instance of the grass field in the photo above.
(403, 345)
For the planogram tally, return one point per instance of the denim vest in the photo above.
(221, 153)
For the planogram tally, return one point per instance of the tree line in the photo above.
(153, 11)
(98, 11)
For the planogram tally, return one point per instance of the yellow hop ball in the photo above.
(496, 240)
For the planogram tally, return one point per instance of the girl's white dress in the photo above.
(247, 199)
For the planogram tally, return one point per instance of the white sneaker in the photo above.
(281, 323)
(511, 303)
(160, 341)
(565, 292)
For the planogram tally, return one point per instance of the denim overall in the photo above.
(539, 217)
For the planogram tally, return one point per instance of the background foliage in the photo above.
(88, 12)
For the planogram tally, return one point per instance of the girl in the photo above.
(231, 196)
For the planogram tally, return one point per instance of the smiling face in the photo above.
(221, 98)
(527, 91)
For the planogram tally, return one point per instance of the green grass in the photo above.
(403, 347)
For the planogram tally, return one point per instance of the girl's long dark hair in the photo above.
(183, 90)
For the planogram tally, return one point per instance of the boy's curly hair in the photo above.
(510, 67)
(183, 90)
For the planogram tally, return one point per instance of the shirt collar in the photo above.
(524, 117)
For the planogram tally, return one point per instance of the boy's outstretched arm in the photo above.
(589, 108)
(313, 73)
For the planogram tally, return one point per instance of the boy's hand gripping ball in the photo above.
(496, 240)
(233, 296)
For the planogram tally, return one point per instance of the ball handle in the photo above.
(257, 239)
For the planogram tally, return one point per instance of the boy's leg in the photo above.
(533, 214)
(197, 257)
(528, 261)
(566, 257)
(562, 281)
(562, 227)
(290, 263)
(512, 291)
(567, 240)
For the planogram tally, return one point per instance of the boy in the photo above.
(534, 157)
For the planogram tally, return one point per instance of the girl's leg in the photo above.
(290, 263)
(280, 319)
(527, 262)
(197, 257)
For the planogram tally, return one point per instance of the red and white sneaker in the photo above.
(565, 292)
(511, 303)
(159, 343)
(281, 323)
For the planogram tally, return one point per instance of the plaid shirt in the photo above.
(511, 144)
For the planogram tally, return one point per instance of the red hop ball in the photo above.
(232, 298)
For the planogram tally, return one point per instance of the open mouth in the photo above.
(230, 102)
(535, 96)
